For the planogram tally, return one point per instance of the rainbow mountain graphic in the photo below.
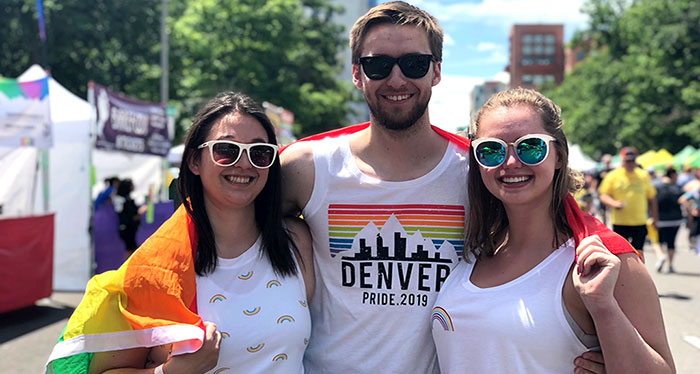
(431, 233)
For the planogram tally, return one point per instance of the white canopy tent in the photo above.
(70, 196)
(578, 160)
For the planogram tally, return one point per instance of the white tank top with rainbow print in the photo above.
(263, 317)
(382, 251)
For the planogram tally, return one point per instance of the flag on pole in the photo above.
(40, 16)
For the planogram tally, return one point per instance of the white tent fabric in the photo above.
(145, 171)
(70, 196)
(578, 160)
(69, 183)
(19, 166)
(175, 154)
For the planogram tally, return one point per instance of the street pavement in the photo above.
(28, 335)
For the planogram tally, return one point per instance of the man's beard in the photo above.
(397, 121)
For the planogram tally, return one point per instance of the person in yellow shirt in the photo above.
(629, 192)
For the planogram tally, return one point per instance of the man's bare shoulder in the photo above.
(297, 176)
(299, 152)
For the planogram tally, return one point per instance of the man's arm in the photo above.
(298, 177)
(654, 207)
(609, 201)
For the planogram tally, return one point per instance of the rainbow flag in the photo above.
(34, 90)
(582, 223)
(149, 301)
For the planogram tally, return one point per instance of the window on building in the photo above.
(527, 79)
(527, 38)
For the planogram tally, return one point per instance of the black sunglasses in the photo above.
(412, 66)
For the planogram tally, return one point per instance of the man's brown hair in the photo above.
(396, 13)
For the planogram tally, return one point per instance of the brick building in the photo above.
(536, 55)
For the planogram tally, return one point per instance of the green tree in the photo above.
(640, 85)
(113, 42)
(281, 51)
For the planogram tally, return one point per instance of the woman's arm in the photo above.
(301, 236)
(621, 298)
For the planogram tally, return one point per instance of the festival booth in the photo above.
(51, 194)
(26, 226)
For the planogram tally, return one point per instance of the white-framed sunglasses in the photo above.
(228, 152)
(531, 150)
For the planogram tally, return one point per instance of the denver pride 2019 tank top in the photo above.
(382, 251)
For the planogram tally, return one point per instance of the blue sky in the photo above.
(476, 45)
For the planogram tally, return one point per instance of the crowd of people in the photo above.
(645, 205)
(117, 194)
(346, 253)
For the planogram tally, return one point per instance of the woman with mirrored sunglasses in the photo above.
(524, 299)
(224, 284)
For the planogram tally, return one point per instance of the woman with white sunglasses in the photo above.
(523, 300)
(223, 285)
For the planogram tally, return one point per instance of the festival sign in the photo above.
(129, 125)
(283, 120)
(24, 113)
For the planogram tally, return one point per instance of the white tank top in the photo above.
(263, 318)
(516, 327)
(382, 251)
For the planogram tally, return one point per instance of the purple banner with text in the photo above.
(125, 124)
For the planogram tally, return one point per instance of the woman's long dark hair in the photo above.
(276, 242)
(488, 221)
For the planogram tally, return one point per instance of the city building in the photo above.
(483, 92)
(536, 55)
(573, 56)
(353, 9)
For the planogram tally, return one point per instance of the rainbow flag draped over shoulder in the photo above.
(149, 301)
(582, 223)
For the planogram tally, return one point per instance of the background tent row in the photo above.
(70, 180)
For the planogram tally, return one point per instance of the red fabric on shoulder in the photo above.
(583, 224)
(332, 133)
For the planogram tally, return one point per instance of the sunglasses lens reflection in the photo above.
(262, 156)
(226, 153)
(532, 151)
(412, 66)
(377, 67)
(415, 66)
(490, 154)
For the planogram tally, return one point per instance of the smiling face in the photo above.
(396, 102)
(235, 186)
(513, 182)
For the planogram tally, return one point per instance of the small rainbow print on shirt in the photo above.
(217, 298)
(435, 222)
(255, 348)
(280, 357)
(225, 335)
(273, 283)
(218, 371)
(285, 318)
(246, 276)
(443, 318)
(251, 312)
